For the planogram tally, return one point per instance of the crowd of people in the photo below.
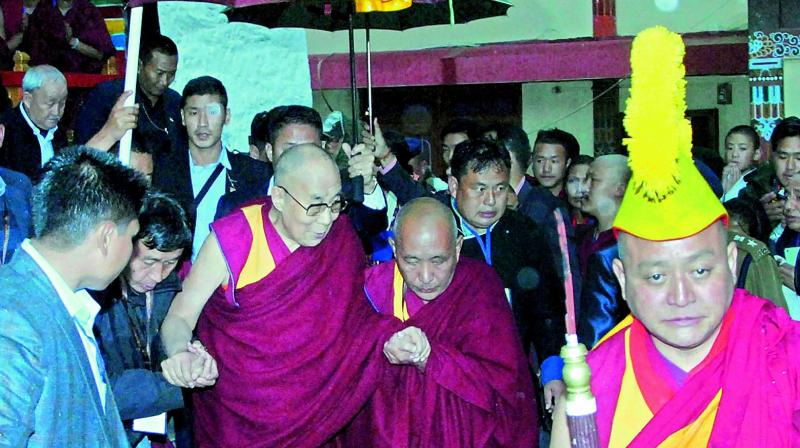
(219, 298)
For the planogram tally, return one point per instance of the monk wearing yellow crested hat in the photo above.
(698, 362)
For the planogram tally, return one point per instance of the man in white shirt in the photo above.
(55, 391)
(32, 127)
(202, 169)
(32, 134)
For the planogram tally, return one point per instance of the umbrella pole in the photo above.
(131, 72)
(369, 75)
(357, 193)
(353, 86)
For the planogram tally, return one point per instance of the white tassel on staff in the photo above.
(131, 72)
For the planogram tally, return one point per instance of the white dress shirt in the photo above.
(45, 141)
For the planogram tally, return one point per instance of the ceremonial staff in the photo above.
(581, 406)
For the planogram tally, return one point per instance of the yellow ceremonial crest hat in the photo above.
(667, 198)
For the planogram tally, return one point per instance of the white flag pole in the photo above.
(131, 72)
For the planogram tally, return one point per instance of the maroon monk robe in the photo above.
(46, 38)
(299, 353)
(476, 390)
(758, 371)
(12, 21)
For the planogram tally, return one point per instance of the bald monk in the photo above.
(277, 298)
(471, 386)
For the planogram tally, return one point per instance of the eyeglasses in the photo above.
(315, 209)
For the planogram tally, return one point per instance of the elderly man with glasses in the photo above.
(276, 296)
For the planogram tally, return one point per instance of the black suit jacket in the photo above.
(171, 175)
(601, 306)
(539, 205)
(20, 151)
(399, 182)
(98, 104)
(521, 258)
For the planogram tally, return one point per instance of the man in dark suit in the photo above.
(32, 133)
(515, 247)
(537, 202)
(159, 121)
(134, 306)
(202, 170)
(55, 391)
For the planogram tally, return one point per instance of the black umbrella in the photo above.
(335, 15)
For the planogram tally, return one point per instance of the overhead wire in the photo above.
(619, 81)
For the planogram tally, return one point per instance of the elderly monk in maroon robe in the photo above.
(464, 380)
(277, 296)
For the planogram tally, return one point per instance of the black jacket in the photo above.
(20, 151)
(153, 118)
(398, 181)
(521, 258)
(171, 175)
(139, 392)
(539, 205)
(601, 306)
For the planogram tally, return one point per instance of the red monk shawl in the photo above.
(758, 370)
(298, 354)
(476, 391)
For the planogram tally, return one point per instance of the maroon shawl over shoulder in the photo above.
(46, 42)
(759, 373)
(476, 391)
(299, 355)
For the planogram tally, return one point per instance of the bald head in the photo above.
(425, 215)
(608, 179)
(306, 197)
(616, 166)
(426, 247)
(302, 162)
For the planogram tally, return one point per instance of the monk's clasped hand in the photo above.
(409, 346)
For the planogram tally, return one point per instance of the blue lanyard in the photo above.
(486, 246)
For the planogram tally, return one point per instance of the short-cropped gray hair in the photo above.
(36, 76)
